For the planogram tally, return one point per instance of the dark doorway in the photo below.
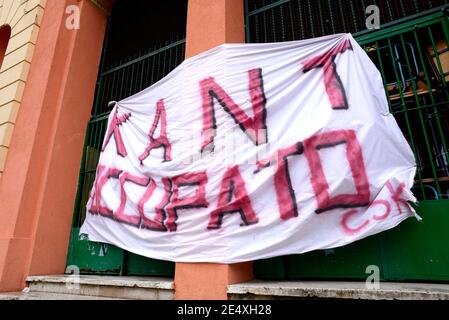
(144, 41)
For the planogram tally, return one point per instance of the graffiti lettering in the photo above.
(161, 141)
(255, 126)
(233, 197)
(385, 204)
(114, 130)
(198, 200)
(332, 82)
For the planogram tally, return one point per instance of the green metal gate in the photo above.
(118, 81)
(411, 51)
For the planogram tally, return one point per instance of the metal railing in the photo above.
(120, 80)
(286, 20)
(413, 63)
(412, 54)
(137, 72)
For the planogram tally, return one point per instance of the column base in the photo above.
(209, 281)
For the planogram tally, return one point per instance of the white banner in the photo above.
(249, 151)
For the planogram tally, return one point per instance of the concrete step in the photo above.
(258, 289)
(94, 287)
(10, 296)
(49, 296)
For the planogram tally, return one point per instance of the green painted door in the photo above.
(411, 51)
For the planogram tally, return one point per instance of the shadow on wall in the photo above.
(5, 34)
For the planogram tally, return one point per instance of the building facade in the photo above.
(57, 77)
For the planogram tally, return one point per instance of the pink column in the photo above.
(38, 187)
(209, 24)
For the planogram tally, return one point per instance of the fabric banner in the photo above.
(250, 151)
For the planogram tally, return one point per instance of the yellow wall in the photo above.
(24, 18)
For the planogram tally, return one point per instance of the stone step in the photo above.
(49, 296)
(10, 296)
(258, 289)
(139, 288)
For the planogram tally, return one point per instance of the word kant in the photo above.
(233, 196)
